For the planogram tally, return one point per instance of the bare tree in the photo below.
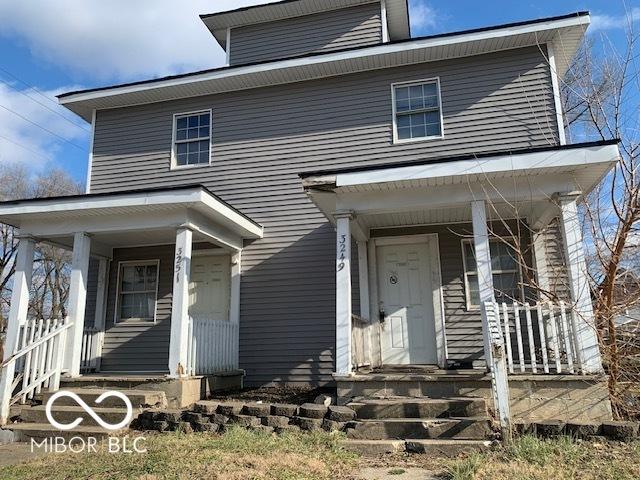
(51, 265)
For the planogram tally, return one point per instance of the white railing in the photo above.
(90, 356)
(360, 355)
(539, 339)
(36, 362)
(213, 346)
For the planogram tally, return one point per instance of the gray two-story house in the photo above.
(336, 206)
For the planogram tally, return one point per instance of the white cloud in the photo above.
(118, 39)
(614, 22)
(24, 142)
(423, 17)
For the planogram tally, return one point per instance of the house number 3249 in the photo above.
(342, 252)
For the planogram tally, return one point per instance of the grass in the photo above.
(237, 455)
(529, 458)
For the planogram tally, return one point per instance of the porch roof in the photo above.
(441, 190)
(132, 218)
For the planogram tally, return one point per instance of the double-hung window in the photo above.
(417, 111)
(137, 291)
(192, 139)
(507, 278)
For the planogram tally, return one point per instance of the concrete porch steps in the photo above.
(422, 428)
(67, 415)
(138, 398)
(43, 431)
(379, 408)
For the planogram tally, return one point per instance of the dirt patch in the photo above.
(293, 395)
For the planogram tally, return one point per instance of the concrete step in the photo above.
(437, 448)
(42, 431)
(419, 408)
(67, 415)
(138, 398)
(472, 428)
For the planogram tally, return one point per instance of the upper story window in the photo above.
(417, 111)
(507, 276)
(192, 139)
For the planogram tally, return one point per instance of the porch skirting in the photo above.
(533, 397)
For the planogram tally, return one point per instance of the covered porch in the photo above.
(154, 288)
(432, 268)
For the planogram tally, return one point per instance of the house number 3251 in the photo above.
(178, 266)
(342, 252)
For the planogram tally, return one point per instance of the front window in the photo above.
(137, 291)
(192, 139)
(417, 111)
(506, 273)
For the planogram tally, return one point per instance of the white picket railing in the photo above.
(90, 356)
(213, 346)
(539, 339)
(38, 360)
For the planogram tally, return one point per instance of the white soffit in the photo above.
(92, 206)
(565, 33)
(589, 163)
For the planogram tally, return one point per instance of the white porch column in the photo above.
(483, 263)
(179, 342)
(583, 317)
(17, 317)
(77, 302)
(343, 293)
(100, 313)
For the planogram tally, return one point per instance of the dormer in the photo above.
(294, 28)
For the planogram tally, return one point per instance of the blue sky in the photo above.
(48, 48)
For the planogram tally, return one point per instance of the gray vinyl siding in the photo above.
(322, 32)
(139, 347)
(262, 140)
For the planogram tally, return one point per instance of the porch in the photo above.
(154, 287)
(435, 272)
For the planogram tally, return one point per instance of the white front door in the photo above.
(406, 290)
(209, 290)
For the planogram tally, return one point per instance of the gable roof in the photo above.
(397, 12)
(563, 33)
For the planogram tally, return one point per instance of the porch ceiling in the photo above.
(517, 184)
(134, 218)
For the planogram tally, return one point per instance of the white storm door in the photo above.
(408, 333)
(209, 290)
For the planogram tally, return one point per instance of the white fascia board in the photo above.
(385, 49)
(250, 229)
(607, 154)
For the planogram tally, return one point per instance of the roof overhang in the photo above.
(397, 15)
(132, 218)
(563, 33)
(527, 179)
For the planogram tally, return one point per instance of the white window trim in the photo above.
(398, 141)
(174, 157)
(467, 291)
(116, 315)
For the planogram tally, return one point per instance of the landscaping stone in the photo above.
(582, 430)
(194, 417)
(309, 424)
(550, 428)
(182, 427)
(161, 426)
(332, 425)
(523, 427)
(245, 421)
(288, 429)
(341, 414)
(325, 400)
(284, 410)
(206, 427)
(229, 409)
(263, 429)
(310, 410)
(257, 410)
(275, 421)
(206, 407)
(169, 416)
(219, 419)
(622, 431)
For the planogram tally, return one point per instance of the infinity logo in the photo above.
(89, 410)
